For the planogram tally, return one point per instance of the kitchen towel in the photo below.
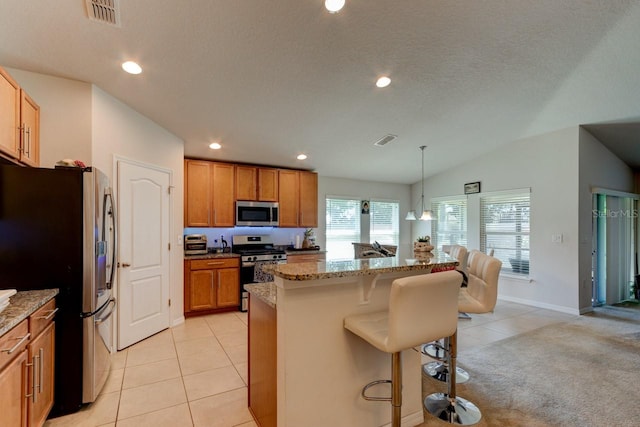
(260, 276)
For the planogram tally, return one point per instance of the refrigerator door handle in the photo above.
(99, 320)
(114, 242)
(98, 310)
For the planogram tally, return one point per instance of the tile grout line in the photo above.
(184, 387)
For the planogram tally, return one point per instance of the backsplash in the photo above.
(280, 236)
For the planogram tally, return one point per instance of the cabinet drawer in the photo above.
(14, 340)
(41, 318)
(292, 259)
(208, 264)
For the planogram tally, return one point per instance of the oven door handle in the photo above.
(248, 264)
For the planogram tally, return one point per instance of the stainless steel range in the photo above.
(255, 251)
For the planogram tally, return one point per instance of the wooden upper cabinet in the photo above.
(212, 188)
(209, 197)
(30, 118)
(9, 115)
(308, 199)
(246, 183)
(267, 185)
(256, 184)
(197, 194)
(289, 191)
(19, 122)
(223, 194)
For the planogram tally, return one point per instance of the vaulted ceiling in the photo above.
(271, 79)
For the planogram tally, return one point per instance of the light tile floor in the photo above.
(196, 374)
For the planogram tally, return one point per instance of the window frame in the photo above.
(521, 233)
(435, 224)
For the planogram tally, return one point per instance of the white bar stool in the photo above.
(479, 296)
(421, 309)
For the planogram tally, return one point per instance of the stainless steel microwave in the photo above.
(257, 214)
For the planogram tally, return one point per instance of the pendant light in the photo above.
(426, 214)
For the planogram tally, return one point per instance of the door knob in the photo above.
(126, 264)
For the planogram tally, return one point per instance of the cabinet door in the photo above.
(228, 292)
(308, 199)
(246, 183)
(197, 194)
(223, 184)
(30, 143)
(41, 354)
(267, 185)
(202, 292)
(288, 190)
(9, 115)
(13, 389)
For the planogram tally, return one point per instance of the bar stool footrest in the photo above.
(375, 398)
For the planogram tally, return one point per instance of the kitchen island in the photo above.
(318, 368)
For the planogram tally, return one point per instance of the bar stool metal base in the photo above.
(440, 372)
(462, 412)
(435, 350)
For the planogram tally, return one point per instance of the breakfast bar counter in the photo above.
(319, 368)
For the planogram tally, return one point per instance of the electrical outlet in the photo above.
(556, 238)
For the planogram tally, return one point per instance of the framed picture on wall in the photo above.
(472, 187)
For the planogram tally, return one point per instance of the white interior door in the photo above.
(143, 273)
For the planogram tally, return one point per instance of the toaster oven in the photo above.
(195, 244)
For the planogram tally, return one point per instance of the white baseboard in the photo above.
(178, 321)
(539, 304)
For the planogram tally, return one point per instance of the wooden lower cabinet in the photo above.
(13, 388)
(305, 257)
(27, 370)
(211, 285)
(262, 362)
(41, 353)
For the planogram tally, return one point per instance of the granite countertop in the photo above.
(361, 267)
(265, 292)
(211, 256)
(22, 305)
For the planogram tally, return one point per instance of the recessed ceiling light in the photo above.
(383, 81)
(301, 157)
(334, 6)
(215, 146)
(131, 67)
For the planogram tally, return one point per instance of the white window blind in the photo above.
(343, 227)
(450, 226)
(505, 228)
(384, 226)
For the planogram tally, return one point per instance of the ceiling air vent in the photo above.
(106, 11)
(385, 140)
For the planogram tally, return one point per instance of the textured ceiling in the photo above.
(269, 79)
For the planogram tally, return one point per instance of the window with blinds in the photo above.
(450, 226)
(343, 227)
(384, 226)
(505, 228)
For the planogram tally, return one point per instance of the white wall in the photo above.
(365, 190)
(548, 164)
(599, 167)
(120, 131)
(65, 116)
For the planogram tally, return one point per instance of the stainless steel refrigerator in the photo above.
(58, 230)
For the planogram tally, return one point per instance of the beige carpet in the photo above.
(585, 372)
